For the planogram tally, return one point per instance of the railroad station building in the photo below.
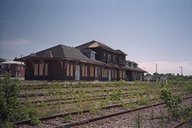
(86, 62)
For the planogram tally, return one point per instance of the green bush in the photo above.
(33, 115)
(10, 107)
(189, 87)
(172, 103)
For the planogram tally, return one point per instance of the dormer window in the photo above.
(109, 58)
(92, 55)
(129, 64)
(135, 65)
(114, 58)
(104, 55)
(89, 53)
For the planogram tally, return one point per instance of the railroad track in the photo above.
(73, 100)
(77, 123)
(183, 123)
(84, 121)
(25, 94)
(70, 113)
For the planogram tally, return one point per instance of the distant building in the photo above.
(2, 60)
(12, 68)
(89, 61)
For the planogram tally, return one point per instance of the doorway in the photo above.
(77, 72)
(109, 75)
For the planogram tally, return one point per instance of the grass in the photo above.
(80, 91)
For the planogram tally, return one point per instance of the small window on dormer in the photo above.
(92, 56)
(104, 54)
(109, 57)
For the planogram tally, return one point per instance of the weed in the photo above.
(116, 95)
(162, 123)
(152, 116)
(138, 121)
(189, 87)
(33, 115)
(66, 118)
(8, 125)
(142, 100)
(95, 108)
(172, 103)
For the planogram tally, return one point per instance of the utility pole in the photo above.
(156, 68)
(180, 67)
(156, 73)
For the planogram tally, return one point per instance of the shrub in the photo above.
(33, 115)
(189, 87)
(172, 103)
(10, 107)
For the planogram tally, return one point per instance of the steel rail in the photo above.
(65, 93)
(70, 98)
(73, 100)
(77, 123)
(182, 123)
(90, 120)
(70, 113)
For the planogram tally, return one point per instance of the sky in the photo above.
(150, 31)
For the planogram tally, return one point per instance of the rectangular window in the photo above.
(104, 73)
(114, 74)
(36, 69)
(41, 66)
(96, 71)
(104, 55)
(46, 69)
(40, 69)
(82, 73)
(85, 71)
(91, 71)
(114, 59)
(120, 74)
(123, 74)
(99, 72)
(71, 71)
(109, 58)
(68, 69)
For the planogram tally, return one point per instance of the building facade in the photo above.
(89, 61)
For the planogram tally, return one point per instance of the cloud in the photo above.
(12, 44)
(168, 67)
